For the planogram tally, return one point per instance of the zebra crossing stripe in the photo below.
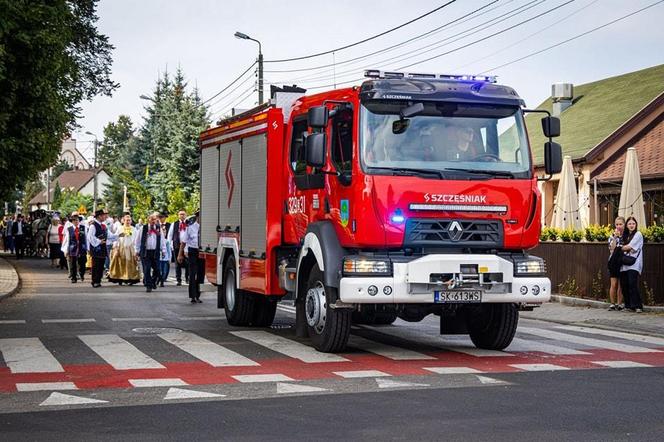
(207, 351)
(388, 351)
(566, 337)
(616, 334)
(621, 364)
(288, 347)
(519, 344)
(119, 353)
(164, 382)
(28, 355)
(274, 377)
(538, 367)
(45, 386)
(361, 374)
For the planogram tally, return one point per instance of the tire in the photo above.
(328, 328)
(264, 311)
(492, 326)
(238, 305)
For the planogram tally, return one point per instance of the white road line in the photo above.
(119, 353)
(275, 377)
(435, 341)
(66, 321)
(136, 319)
(526, 345)
(28, 355)
(207, 351)
(201, 318)
(288, 347)
(388, 351)
(453, 370)
(45, 386)
(361, 374)
(164, 382)
(616, 334)
(620, 364)
(12, 321)
(566, 337)
(538, 367)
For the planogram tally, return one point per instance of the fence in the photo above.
(579, 269)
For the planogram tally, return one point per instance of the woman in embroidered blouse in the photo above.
(629, 274)
(124, 262)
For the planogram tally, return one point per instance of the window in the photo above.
(297, 154)
(341, 140)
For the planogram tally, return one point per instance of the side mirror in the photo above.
(317, 117)
(551, 127)
(315, 150)
(553, 157)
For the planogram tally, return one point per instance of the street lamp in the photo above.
(94, 192)
(242, 36)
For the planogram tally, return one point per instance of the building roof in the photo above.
(599, 109)
(649, 152)
(71, 179)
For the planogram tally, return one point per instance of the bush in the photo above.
(577, 235)
(570, 288)
(566, 235)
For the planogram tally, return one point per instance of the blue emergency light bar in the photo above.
(375, 73)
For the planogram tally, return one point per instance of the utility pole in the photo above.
(48, 189)
(596, 208)
(94, 166)
(242, 36)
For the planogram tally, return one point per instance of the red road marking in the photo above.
(94, 376)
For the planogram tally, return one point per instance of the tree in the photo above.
(60, 167)
(32, 188)
(51, 58)
(57, 197)
(169, 135)
(72, 200)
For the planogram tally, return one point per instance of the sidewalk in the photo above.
(9, 280)
(586, 316)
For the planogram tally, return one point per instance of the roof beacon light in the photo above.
(378, 74)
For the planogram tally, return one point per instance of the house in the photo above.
(599, 122)
(73, 156)
(81, 181)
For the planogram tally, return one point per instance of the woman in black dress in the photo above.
(615, 261)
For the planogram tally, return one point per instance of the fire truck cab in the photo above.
(410, 195)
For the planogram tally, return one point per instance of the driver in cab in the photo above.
(460, 143)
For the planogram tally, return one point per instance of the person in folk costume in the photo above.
(176, 229)
(150, 244)
(74, 247)
(165, 259)
(87, 223)
(189, 248)
(98, 236)
(124, 261)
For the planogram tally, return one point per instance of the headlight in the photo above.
(363, 266)
(529, 266)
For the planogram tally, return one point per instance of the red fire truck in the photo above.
(410, 195)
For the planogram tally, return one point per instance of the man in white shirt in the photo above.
(97, 237)
(174, 233)
(150, 245)
(189, 248)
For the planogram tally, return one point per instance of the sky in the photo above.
(152, 37)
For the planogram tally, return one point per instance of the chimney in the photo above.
(562, 95)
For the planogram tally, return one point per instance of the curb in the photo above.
(578, 302)
(17, 287)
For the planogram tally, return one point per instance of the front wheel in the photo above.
(328, 328)
(492, 326)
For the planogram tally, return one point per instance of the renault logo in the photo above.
(455, 231)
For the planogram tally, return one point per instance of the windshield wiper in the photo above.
(501, 173)
(408, 171)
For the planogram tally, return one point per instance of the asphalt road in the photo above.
(119, 364)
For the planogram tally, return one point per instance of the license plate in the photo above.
(453, 296)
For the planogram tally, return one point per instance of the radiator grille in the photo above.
(453, 233)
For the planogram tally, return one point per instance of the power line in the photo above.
(389, 48)
(575, 37)
(244, 94)
(304, 57)
(488, 36)
(521, 40)
(228, 86)
(437, 44)
(225, 96)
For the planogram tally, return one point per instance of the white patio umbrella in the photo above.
(631, 193)
(566, 209)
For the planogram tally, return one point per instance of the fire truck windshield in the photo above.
(449, 138)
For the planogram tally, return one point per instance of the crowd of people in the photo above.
(119, 250)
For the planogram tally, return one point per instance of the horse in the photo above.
(39, 233)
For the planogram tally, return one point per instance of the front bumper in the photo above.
(410, 282)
